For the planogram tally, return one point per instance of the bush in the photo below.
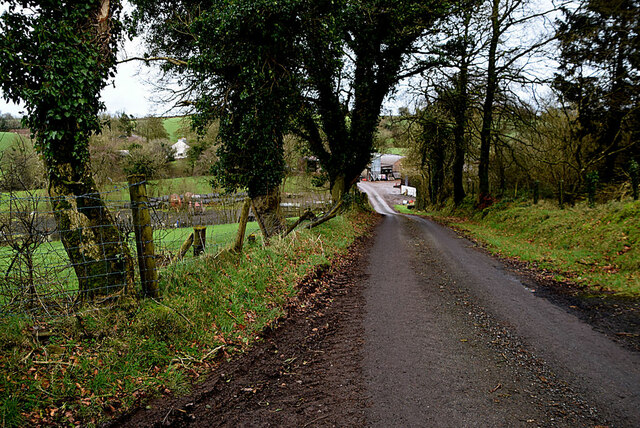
(150, 160)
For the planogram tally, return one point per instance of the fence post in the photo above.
(144, 235)
(561, 194)
(536, 192)
(242, 227)
(634, 172)
(199, 239)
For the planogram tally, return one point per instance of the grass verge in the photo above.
(85, 369)
(592, 247)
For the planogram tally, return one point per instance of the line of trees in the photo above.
(476, 127)
(316, 69)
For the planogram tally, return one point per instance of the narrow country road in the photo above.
(416, 327)
(446, 325)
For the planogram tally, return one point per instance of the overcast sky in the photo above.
(131, 92)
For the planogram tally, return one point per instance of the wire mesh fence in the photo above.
(57, 253)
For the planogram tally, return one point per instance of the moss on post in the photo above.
(244, 217)
(199, 240)
(185, 246)
(144, 235)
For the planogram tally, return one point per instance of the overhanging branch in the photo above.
(149, 59)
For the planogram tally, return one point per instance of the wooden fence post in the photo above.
(561, 194)
(536, 191)
(242, 227)
(185, 246)
(199, 239)
(144, 235)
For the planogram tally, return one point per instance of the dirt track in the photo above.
(419, 328)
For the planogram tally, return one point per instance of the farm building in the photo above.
(383, 167)
(180, 148)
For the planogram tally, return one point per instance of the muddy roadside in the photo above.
(304, 372)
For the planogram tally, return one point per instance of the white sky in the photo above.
(132, 90)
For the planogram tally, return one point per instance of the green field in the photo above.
(173, 124)
(119, 192)
(7, 139)
(397, 151)
(54, 276)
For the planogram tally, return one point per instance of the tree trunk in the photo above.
(96, 250)
(460, 109)
(338, 188)
(421, 196)
(487, 108)
(267, 211)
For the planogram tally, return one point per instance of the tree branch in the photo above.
(173, 61)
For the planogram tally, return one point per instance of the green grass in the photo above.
(7, 139)
(405, 210)
(102, 361)
(597, 247)
(173, 124)
(396, 151)
(218, 237)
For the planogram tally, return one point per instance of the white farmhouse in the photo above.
(180, 148)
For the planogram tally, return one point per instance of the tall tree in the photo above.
(599, 76)
(487, 107)
(463, 43)
(327, 64)
(354, 54)
(56, 57)
(505, 63)
(237, 63)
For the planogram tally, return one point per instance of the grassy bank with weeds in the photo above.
(82, 370)
(595, 247)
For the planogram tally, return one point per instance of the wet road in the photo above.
(453, 339)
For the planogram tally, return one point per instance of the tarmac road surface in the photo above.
(453, 339)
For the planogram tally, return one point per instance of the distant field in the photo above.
(397, 151)
(172, 125)
(7, 139)
(156, 188)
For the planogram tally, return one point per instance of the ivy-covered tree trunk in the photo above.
(422, 202)
(99, 256)
(338, 187)
(56, 57)
(460, 113)
(268, 213)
